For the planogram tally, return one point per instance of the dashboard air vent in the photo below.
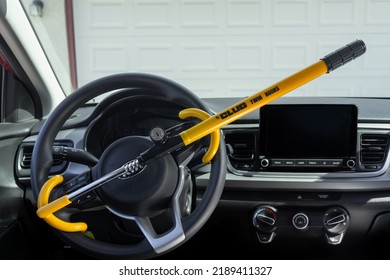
(243, 145)
(27, 156)
(373, 148)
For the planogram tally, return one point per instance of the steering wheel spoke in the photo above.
(76, 182)
(85, 201)
(175, 235)
(184, 155)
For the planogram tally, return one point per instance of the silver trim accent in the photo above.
(336, 220)
(360, 126)
(328, 239)
(311, 176)
(126, 169)
(271, 237)
(363, 128)
(373, 126)
(351, 163)
(240, 126)
(264, 162)
(252, 156)
(173, 237)
(267, 220)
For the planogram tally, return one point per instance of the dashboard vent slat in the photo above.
(373, 148)
(243, 145)
(26, 158)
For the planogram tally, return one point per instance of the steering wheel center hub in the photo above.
(144, 194)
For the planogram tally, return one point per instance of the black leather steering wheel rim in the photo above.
(42, 158)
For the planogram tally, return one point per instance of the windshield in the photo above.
(216, 48)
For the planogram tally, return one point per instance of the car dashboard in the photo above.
(303, 202)
(310, 197)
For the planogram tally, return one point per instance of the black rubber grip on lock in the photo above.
(345, 54)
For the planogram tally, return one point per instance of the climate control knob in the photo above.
(265, 217)
(336, 222)
(264, 220)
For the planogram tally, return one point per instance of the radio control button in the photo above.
(289, 162)
(300, 162)
(277, 162)
(312, 163)
(351, 163)
(264, 162)
(335, 162)
(300, 196)
(323, 163)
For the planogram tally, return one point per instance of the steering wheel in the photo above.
(163, 178)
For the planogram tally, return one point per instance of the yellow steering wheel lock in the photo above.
(209, 125)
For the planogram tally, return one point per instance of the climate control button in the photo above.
(300, 221)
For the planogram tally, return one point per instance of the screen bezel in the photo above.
(268, 109)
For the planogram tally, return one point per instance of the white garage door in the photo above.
(234, 47)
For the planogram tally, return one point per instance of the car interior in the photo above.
(138, 165)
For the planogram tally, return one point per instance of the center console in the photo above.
(329, 223)
(294, 165)
(306, 138)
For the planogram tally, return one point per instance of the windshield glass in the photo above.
(216, 48)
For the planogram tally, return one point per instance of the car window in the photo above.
(16, 104)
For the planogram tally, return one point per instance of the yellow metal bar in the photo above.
(215, 135)
(253, 102)
(53, 206)
(46, 209)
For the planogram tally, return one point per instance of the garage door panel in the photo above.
(283, 16)
(378, 12)
(100, 18)
(233, 47)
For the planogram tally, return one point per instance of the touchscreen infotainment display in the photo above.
(308, 132)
